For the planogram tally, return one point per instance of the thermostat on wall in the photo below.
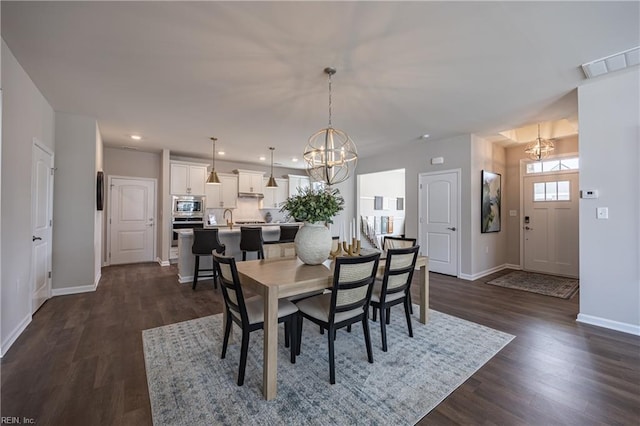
(589, 193)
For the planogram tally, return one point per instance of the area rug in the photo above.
(549, 285)
(190, 385)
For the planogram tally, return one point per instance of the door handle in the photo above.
(453, 228)
(33, 238)
(528, 229)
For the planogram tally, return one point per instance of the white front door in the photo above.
(551, 224)
(438, 227)
(132, 220)
(41, 224)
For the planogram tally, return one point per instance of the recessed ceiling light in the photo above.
(262, 158)
(425, 136)
(220, 152)
(136, 137)
(295, 160)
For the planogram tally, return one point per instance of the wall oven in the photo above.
(187, 213)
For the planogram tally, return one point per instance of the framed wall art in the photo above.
(491, 200)
(100, 191)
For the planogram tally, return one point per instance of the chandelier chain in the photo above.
(329, 99)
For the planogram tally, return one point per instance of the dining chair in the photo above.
(394, 287)
(346, 304)
(393, 243)
(288, 233)
(251, 240)
(205, 241)
(397, 242)
(249, 314)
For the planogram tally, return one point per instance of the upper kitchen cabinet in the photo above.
(188, 178)
(296, 182)
(249, 182)
(224, 195)
(275, 197)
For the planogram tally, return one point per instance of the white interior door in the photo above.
(551, 224)
(41, 225)
(438, 227)
(132, 220)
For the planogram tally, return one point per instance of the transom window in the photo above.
(552, 191)
(553, 165)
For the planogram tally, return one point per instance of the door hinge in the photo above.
(49, 274)
(420, 186)
(53, 169)
(50, 222)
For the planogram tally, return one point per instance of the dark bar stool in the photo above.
(205, 241)
(251, 240)
(288, 233)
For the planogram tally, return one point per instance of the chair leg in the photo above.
(383, 328)
(367, 338)
(299, 331)
(243, 356)
(349, 328)
(407, 312)
(244, 255)
(287, 331)
(409, 297)
(388, 315)
(260, 254)
(332, 362)
(195, 272)
(227, 332)
(375, 311)
(292, 330)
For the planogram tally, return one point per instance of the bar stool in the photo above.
(251, 240)
(205, 241)
(288, 233)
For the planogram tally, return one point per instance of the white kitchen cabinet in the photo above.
(296, 182)
(249, 182)
(188, 178)
(224, 195)
(274, 197)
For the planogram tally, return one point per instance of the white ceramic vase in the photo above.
(313, 243)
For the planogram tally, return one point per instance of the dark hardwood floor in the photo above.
(80, 361)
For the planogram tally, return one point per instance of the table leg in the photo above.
(270, 368)
(424, 293)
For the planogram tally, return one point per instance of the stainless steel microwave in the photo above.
(188, 206)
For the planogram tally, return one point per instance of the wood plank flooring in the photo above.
(80, 361)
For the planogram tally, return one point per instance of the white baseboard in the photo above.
(162, 262)
(484, 273)
(185, 279)
(13, 336)
(512, 266)
(610, 324)
(74, 290)
(97, 280)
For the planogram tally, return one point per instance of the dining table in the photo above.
(280, 277)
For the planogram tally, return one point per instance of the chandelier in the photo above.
(330, 154)
(213, 176)
(540, 148)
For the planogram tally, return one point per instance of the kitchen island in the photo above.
(230, 237)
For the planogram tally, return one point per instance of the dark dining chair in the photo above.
(346, 304)
(288, 233)
(248, 314)
(394, 287)
(394, 243)
(205, 241)
(251, 241)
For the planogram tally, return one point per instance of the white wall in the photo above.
(74, 207)
(609, 120)
(390, 185)
(25, 114)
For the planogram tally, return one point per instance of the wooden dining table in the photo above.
(277, 278)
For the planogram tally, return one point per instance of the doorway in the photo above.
(132, 220)
(550, 223)
(439, 220)
(42, 223)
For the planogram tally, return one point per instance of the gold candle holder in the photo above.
(352, 249)
(335, 253)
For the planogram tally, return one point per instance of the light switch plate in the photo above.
(602, 212)
(513, 213)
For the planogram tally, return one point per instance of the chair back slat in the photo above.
(352, 282)
(231, 289)
(398, 270)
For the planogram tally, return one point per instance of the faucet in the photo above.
(224, 214)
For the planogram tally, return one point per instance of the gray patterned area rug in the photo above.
(549, 285)
(190, 385)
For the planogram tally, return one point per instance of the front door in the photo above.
(41, 225)
(551, 224)
(438, 227)
(132, 220)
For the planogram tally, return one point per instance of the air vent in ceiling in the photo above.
(611, 63)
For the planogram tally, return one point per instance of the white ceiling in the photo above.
(251, 73)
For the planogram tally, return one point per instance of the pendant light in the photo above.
(540, 148)
(272, 182)
(331, 155)
(213, 176)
